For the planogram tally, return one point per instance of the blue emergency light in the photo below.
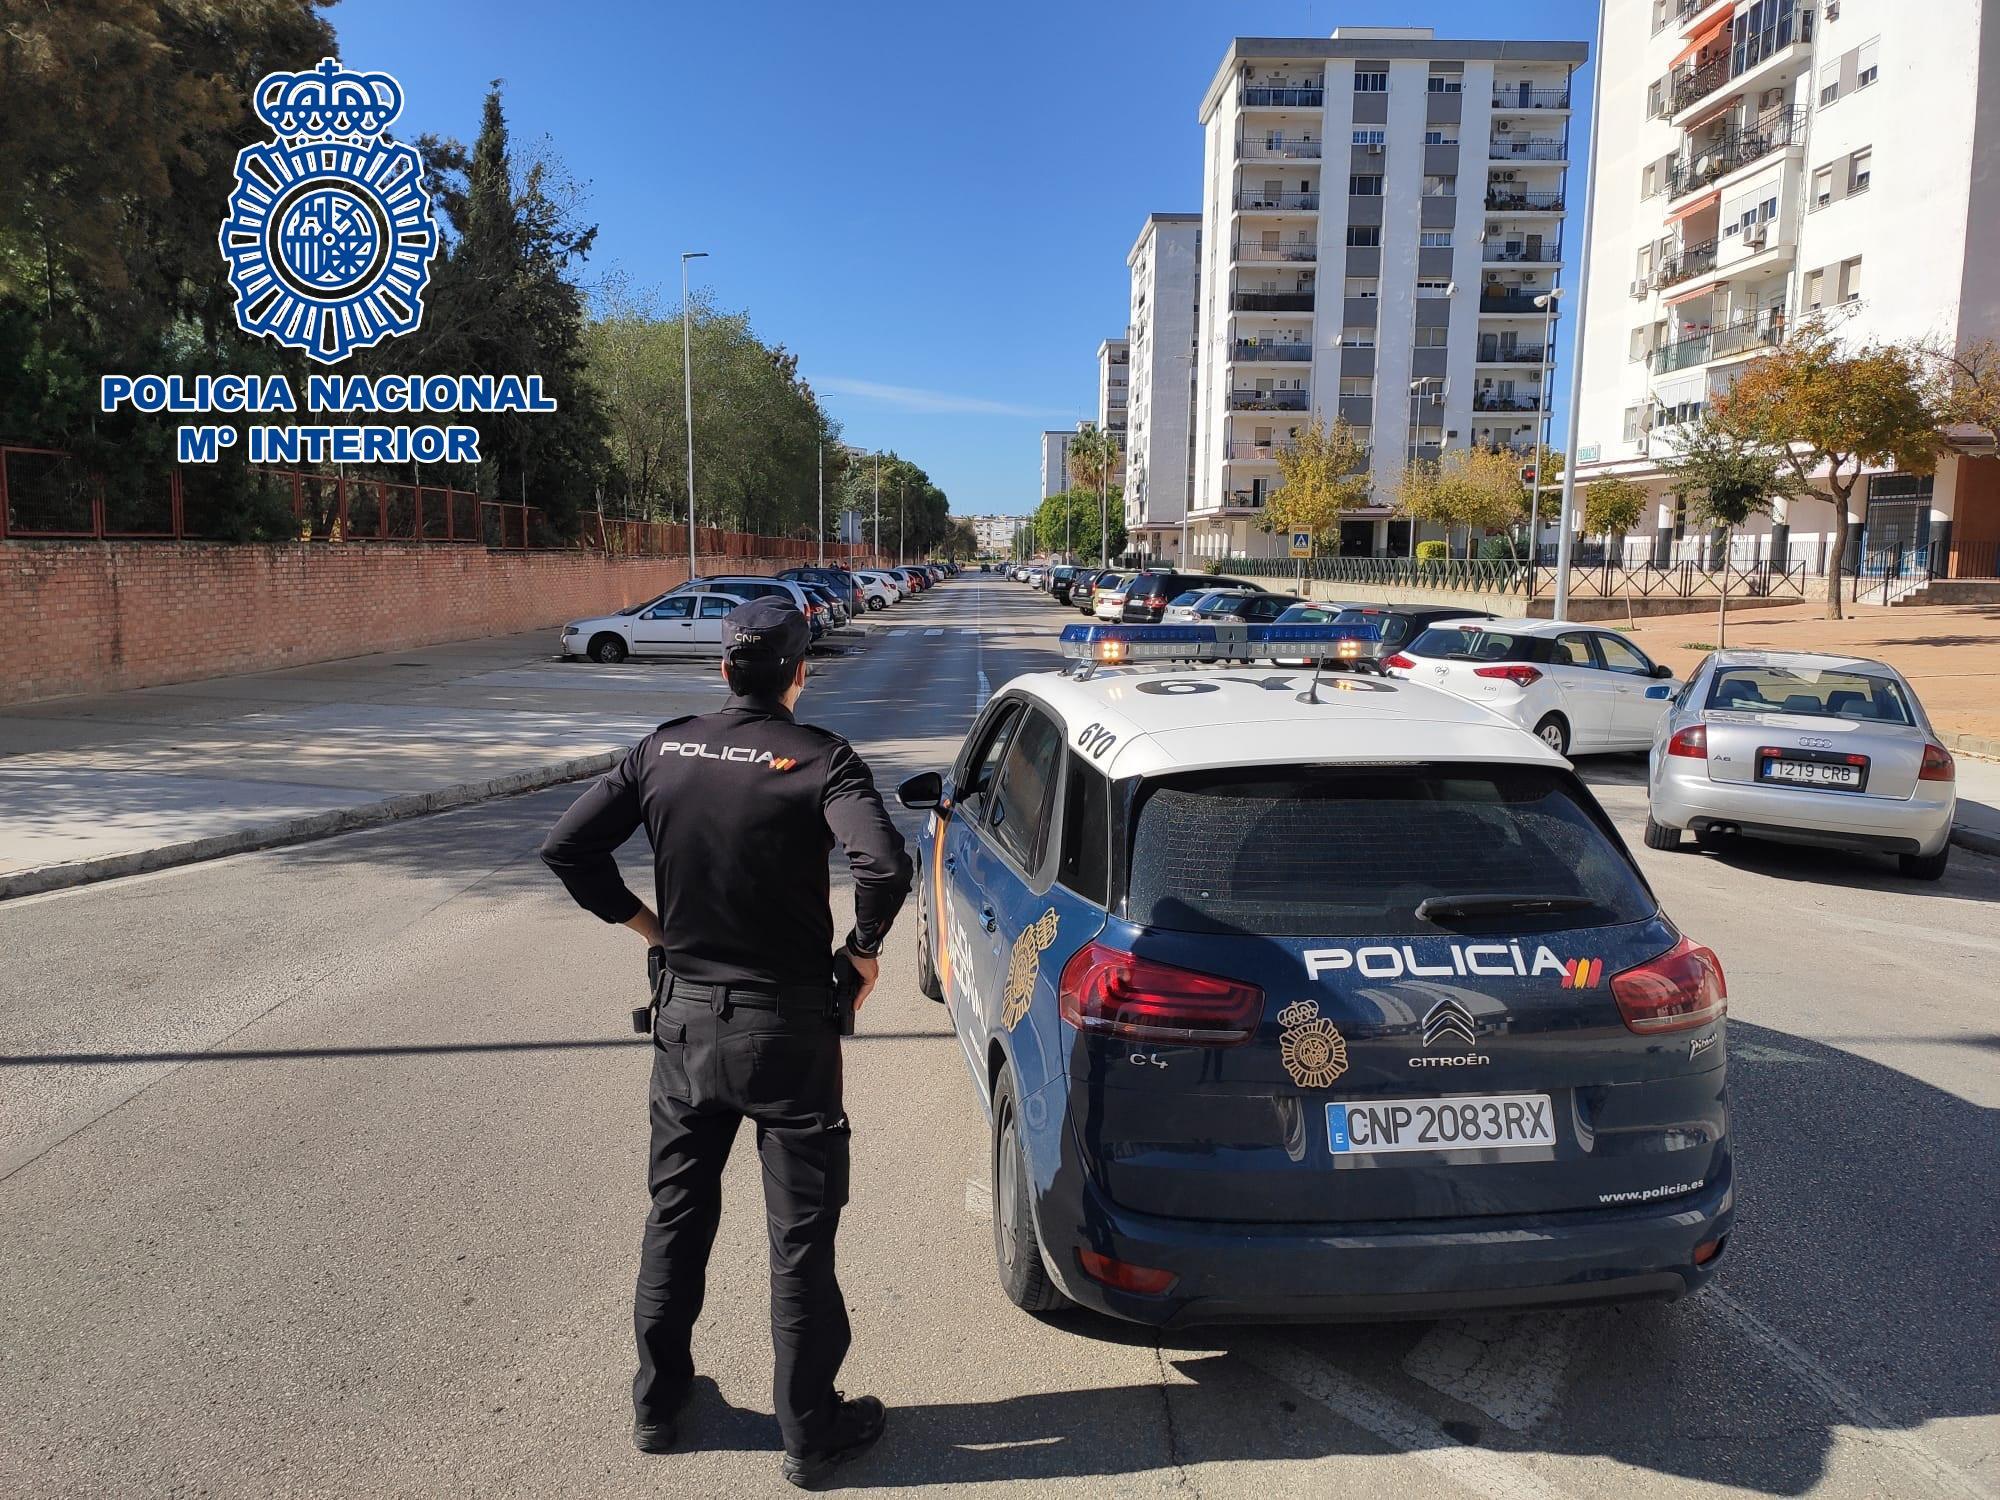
(1113, 645)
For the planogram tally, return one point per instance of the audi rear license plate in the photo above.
(1840, 773)
(1375, 1125)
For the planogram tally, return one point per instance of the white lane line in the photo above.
(1512, 1368)
(900, 630)
(978, 1198)
(935, 630)
(967, 630)
(1856, 1408)
(1479, 1470)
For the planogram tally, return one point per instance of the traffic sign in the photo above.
(1302, 544)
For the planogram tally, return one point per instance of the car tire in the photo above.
(1553, 731)
(927, 974)
(875, 603)
(1016, 1251)
(1924, 866)
(1659, 836)
(607, 649)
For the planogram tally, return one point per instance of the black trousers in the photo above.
(715, 1063)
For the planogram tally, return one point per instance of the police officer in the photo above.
(742, 808)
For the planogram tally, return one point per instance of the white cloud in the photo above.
(916, 399)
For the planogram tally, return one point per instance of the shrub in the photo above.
(1433, 551)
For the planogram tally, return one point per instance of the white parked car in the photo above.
(685, 623)
(1829, 751)
(1580, 688)
(1108, 600)
(878, 589)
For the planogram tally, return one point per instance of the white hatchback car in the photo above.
(681, 624)
(1580, 688)
(878, 589)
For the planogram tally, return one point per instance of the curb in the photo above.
(1972, 744)
(1976, 839)
(305, 829)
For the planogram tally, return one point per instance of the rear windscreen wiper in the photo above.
(1499, 904)
(1464, 656)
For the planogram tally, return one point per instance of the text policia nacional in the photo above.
(326, 395)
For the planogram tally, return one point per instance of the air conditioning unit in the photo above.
(1374, 150)
(1641, 287)
(1833, 10)
(1756, 236)
(1503, 126)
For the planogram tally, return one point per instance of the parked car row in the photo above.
(687, 619)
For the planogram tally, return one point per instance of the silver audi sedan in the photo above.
(1832, 751)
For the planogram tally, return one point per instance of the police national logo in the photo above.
(330, 233)
(1310, 1046)
(1027, 956)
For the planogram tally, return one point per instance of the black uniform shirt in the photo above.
(743, 807)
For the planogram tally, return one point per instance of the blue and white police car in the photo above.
(1311, 997)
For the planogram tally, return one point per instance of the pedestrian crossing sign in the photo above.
(1302, 544)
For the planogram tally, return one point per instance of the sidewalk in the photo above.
(93, 787)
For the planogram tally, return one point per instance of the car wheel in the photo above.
(875, 602)
(1023, 1277)
(927, 974)
(1553, 731)
(1924, 866)
(1658, 836)
(607, 649)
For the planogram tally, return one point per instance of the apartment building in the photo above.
(1055, 462)
(1760, 160)
(1159, 469)
(1114, 398)
(995, 533)
(1440, 233)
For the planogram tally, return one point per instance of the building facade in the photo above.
(1761, 161)
(1159, 469)
(995, 533)
(1381, 211)
(1055, 462)
(1114, 397)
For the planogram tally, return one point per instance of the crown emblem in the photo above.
(1298, 1013)
(328, 101)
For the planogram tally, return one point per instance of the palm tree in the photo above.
(1093, 454)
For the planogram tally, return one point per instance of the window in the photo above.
(1850, 280)
(1572, 650)
(1822, 187)
(716, 609)
(1656, 98)
(1363, 235)
(1635, 423)
(1371, 81)
(1430, 338)
(1433, 288)
(1434, 239)
(1858, 167)
(977, 779)
(1621, 656)
(1340, 853)
(676, 609)
(1868, 62)
(1367, 185)
(1829, 83)
(1440, 138)
(1640, 346)
(1821, 693)
(1357, 338)
(1441, 186)
(1363, 286)
(1086, 833)
(1447, 83)
(1369, 137)
(1021, 796)
(1645, 262)
(1646, 179)
(1356, 385)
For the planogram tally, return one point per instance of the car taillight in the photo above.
(1515, 673)
(1156, 601)
(1938, 765)
(1147, 1281)
(1681, 988)
(1691, 742)
(1113, 993)
(1399, 660)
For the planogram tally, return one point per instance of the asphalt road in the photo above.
(321, 1173)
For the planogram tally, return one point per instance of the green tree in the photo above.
(1827, 413)
(1476, 488)
(1075, 515)
(1325, 474)
(1724, 481)
(1093, 458)
(1612, 507)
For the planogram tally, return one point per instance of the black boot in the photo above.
(856, 1425)
(655, 1432)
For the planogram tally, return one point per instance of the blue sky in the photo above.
(930, 203)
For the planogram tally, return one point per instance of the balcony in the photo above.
(1244, 398)
(1695, 260)
(1500, 200)
(1489, 401)
(1283, 302)
(1243, 500)
(1692, 85)
(1294, 251)
(1277, 148)
(1250, 452)
(1527, 149)
(1521, 255)
(1747, 336)
(1519, 99)
(1679, 11)
(1265, 97)
(1493, 352)
(1245, 350)
(1509, 302)
(1774, 130)
(1270, 202)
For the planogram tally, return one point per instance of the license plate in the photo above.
(1840, 774)
(1376, 1125)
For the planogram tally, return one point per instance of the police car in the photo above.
(1297, 996)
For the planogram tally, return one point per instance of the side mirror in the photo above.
(1663, 670)
(921, 792)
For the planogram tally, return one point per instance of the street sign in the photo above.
(1302, 544)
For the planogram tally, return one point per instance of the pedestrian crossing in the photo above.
(935, 630)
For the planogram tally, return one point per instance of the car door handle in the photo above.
(987, 919)
(951, 861)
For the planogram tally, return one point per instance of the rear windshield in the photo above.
(1325, 852)
(1473, 644)
(1805, 690)
(1182, 601)
(1304, 614)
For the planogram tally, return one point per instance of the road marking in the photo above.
(1480, 1470)
(1511, 1368)
(1856, 1408)
(935, 630)
(900, 630)
(978, 1198)
(967, 630)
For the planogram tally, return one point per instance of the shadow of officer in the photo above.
(743, 807)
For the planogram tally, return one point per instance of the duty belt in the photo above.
(795, 999)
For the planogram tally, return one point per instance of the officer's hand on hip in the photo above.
(869, 969)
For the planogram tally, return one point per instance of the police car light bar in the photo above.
(1114, 645)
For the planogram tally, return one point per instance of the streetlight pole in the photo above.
(899, 520)
(878, 504)
(1418, 388)
(687, 391)
(1568, 511)
(1547, 302)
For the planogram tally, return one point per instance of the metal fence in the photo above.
(1519, 579)
(47, 494)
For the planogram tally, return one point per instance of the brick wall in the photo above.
(91, 617)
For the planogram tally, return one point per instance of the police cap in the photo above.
(765, 631)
